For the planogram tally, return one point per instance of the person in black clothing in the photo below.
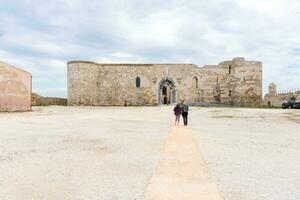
(185, 112)
(177, 113)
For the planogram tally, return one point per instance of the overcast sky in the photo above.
(42, 36)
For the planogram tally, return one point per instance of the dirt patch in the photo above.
(215, 111)
(232, 117)
(293, 118)
(288, 113)
(225, 116)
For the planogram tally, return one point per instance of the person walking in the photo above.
(177, 113)
(185, 112)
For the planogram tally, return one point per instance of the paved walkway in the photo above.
(181, 173)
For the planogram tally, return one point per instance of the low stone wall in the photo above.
(37, 100)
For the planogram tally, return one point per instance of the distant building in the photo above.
(275, 98)
(236, 82)
(15, 88)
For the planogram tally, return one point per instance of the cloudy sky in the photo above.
(41, 36)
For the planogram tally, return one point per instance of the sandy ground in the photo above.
(80, 153)
(111, 153)
(253, 154)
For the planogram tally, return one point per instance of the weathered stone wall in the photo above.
(115, 84)
(244, 82)
(37, 100)
(15, 88)
(101, 84)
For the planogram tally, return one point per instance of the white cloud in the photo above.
(42, 37)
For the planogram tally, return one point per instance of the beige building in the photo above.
(15, 88)
(275, 97)
(237, 82)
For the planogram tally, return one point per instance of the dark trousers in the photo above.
(185, 118)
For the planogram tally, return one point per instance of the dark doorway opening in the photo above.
(165, 100)
(167, 92)
(164, 90)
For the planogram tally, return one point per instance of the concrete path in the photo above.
(182, 173)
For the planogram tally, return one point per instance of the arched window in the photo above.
(195, 82)
(230, 93)
(229, 69)
(138, 82)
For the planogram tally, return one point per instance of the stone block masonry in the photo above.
(235, 82)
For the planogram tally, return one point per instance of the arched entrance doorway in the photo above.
(167, 93)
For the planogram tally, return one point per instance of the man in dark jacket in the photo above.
(177, 113)
(185, 112)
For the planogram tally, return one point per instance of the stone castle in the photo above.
(236, 82)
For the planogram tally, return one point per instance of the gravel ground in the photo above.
(252, 154)
(73, 153)
(87, 153)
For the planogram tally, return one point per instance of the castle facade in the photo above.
(236, 82)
